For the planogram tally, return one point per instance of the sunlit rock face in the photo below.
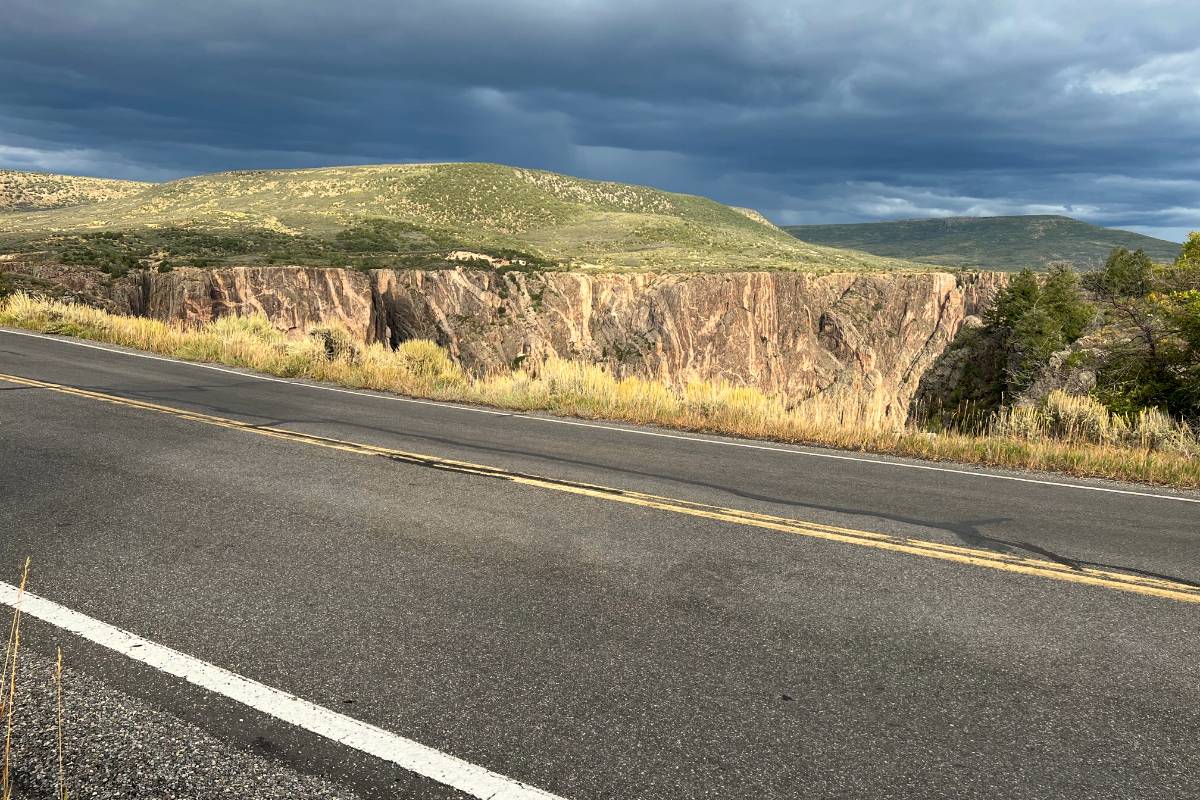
(870, 336)
(293, 298)
(795, 334)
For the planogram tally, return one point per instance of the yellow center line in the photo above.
(1054, 570)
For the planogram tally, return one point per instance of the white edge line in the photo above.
(599, 426)
(413, 756)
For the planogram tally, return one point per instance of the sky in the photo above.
(809, 111)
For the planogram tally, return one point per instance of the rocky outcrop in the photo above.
(801, 335)
(796, 334)
(294, 298)
(87, 285)
(1073, 369)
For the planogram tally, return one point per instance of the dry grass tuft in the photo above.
(8, 698)
(1079, 419)
(59, 714)
(1072, 435)
(8, 686)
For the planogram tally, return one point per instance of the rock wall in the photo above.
(873, 335)
(294, 298)
(797, 334)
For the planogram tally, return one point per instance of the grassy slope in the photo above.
(1006, 243)
(36, 191)
(484, 207)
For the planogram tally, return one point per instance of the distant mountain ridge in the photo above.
(1003, 243)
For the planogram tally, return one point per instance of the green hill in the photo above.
(414, 215)
(36, 191)
(1005, 243)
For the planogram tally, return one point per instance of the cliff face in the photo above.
(801, 335)
(294, 298)
(872, 336)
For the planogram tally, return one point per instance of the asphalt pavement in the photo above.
(585, 644)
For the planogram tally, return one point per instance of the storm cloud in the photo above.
(808, 111)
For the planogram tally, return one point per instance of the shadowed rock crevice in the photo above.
(963, 385)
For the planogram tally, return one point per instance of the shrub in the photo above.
(1154, 430)
(1085, 420)
(1079, 418)
(382, 235)
(338, 342)
(1020, 422)
(254, 325)
(1189, 255)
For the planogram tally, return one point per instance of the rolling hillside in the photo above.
(36, 191)
(1005, 243)
(409, 215)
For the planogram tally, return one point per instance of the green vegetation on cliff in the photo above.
(1150, 355)
(1126, 336)
(415, 215)
(1003, 243)
(1034, 319)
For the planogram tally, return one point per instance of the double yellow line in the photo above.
(1154, 587)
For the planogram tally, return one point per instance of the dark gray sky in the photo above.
(809, 111)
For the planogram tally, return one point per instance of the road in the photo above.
(596, 610)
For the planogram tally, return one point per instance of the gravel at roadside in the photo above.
(119, 747)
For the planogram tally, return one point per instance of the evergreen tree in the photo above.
(1037, 317)
(1015, 300)
(1038, 334)
(1125, 274)
(1063, 301)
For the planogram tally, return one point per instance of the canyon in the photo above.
(872, 336)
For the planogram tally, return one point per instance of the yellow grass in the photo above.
(1075, 436)
(59, 712)
(8, 687)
